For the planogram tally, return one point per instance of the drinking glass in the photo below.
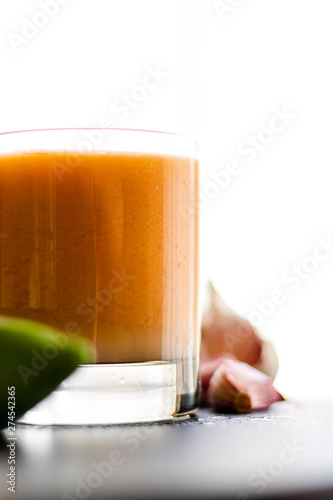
(101, 241)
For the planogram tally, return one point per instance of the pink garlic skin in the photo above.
(234, 377)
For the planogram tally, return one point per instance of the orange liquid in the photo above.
(105, 247)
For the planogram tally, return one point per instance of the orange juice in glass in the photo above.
(102, 241)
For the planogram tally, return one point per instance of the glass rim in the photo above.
(116, 129)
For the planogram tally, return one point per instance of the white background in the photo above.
(228, 67)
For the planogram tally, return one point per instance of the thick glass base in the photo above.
(105, 394)
(188, 403)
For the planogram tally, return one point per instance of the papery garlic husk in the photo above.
(223, 331)
(237, 386)
(207, 368)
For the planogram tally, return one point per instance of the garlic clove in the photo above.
(207, 369)
(239, 387)
(223, 331)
